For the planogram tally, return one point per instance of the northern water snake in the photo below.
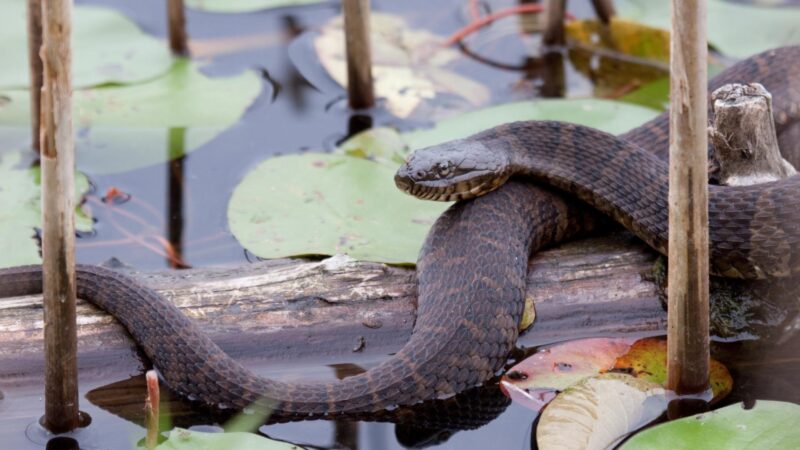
(471, 288)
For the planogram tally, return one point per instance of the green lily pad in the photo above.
(182, 439)
(120, 128)
(20, 208)
(734, 29)
(768, 425)
(327, 204)
(606, 115)
(107, 48)
(236, 6)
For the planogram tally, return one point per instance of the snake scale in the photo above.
(472, 267)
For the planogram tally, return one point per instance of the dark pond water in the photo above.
(186, 200)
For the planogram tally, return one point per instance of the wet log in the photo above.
(339, 309)
(282, 316)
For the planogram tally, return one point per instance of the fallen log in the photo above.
(293, 308)
(338, 310)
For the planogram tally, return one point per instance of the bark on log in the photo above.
(278, 315)
(290, 309)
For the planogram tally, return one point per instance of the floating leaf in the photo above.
(236, 6)
(768, 425)
(557, 367)
(735, 29)
(108, 48)
(407, 67)
(181, 439)
(606, 115)
(647, 359)
(124, 127)
(383, 145)
(599, 411)
(387, 225)
(20, 209)
(560, 366)
(328, 204)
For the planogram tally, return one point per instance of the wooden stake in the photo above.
(688, 322)
(604, 10)
(359, 57)
(553, 17)
(35, 67)
(151, 409)
(178, 39)
(58, 217)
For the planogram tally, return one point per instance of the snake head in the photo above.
(456, 170)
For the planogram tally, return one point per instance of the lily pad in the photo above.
(606, 115)
(408, 67)
(182, 439)
(599, 412)
(318, 213)
(532, 382)
(768, 425)
(20, 209)
(108, 48)
(238, 6)
(647, 359)
(120, 128)
(328, 204)
(734, 29)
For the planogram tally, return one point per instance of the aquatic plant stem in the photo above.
(482, 21)
(35, 67)
(151, 409)
(688, 309)
(58, 218)
(176, 24)
(360, 90)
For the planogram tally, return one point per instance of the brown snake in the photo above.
(472, 268)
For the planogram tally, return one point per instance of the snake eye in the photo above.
(443, 169)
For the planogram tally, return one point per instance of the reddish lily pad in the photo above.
(534, 381)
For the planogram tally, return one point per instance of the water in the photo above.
(184, 203)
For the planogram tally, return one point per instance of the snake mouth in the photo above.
(458, 188)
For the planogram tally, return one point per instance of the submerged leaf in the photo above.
(119, 128)
(768, 425)
(620, 57)
(598, 412)
(108, 48)
(408, 66)
(20, 209)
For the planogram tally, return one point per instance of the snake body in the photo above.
(472, 267)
